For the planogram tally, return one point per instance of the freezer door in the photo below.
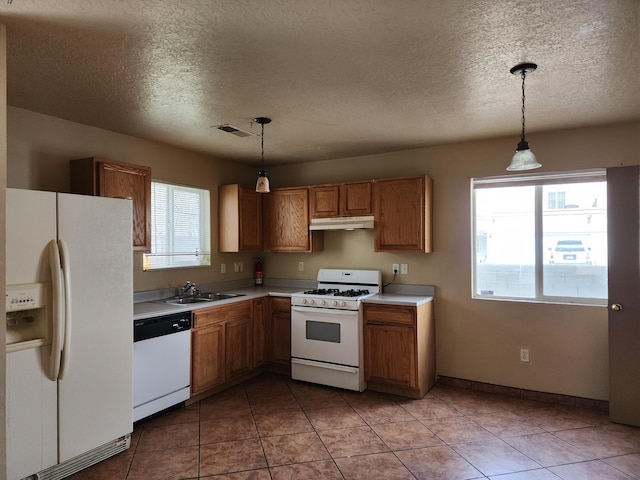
(31, 413)
(30, 226)
(31, 397)
(95, 393)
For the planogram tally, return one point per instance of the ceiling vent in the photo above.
(238, 132)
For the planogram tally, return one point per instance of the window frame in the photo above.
(202, 255)
(539, 181)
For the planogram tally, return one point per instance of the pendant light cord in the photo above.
(524, 75)
(262, 147)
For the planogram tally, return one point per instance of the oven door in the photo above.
(326, 335)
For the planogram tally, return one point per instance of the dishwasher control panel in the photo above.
(159, 326)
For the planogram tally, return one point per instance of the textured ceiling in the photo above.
(338, 77)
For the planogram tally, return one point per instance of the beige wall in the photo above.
(479, 339)
(3, 183)
(476, 339)
(40, 147)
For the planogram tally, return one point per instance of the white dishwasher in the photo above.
(161, 363)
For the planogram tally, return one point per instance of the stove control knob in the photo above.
(323, 303)
(335, 303)
(343, 303)
(311, 302)
(304, 301)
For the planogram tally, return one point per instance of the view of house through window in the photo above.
(541, 237)
(180, 227)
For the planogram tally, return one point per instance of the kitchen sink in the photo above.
(202, 297)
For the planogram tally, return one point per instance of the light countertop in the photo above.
(156, 308)
(397, 299)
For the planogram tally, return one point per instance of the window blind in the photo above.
(180, 227)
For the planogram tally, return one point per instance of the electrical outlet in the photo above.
(301, 266)
(236, 267)
(223, 268)
(404, 269)
(240, 266)
(396, 268)
(524, 355)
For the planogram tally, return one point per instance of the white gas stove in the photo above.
(326, 328)
(341, 289)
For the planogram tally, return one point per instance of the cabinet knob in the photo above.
(616, 307)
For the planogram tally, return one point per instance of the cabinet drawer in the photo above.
(392, 314)
(280, 304)
(222, 313)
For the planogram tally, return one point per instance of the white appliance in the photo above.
(69, 331)
(326, 328)
(161, 363)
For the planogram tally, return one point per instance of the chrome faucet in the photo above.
(190, 289)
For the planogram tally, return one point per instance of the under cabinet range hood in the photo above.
(341, 223)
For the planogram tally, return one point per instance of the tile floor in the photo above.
(273, 428)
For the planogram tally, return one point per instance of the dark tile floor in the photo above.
(273, 428)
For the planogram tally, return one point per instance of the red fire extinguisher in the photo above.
(258, 271)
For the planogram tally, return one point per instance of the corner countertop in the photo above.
(155, 308)
(397, 299)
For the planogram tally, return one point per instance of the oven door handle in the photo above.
(326, 310)
(328, 366)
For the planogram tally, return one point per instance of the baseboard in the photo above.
(553, 398)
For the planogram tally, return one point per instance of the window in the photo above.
(180, 232)
(541, 237)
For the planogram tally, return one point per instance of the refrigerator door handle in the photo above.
(57, 310)
(66, 347)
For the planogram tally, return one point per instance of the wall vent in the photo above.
(238, 132)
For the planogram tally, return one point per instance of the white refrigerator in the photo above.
(69, 331)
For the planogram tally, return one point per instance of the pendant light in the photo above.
(524, 159)
(262, 185)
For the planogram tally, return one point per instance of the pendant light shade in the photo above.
(524, 159)
(262, 185)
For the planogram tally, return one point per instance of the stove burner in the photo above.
(337, 293)
(353, 293)
(322, 291)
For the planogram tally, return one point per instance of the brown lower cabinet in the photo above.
(281, 334)
(261, 332)
(232, 342)
(399, 348)
(221, 345)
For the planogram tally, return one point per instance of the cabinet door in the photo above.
(356, 198)
(95, 176)
(402, 209)
(281, 346)
(207, 357)
(286, 220)
(390, 355)
(261, 333)
(324, 201)
(238, 347)
(250, 220)
(281, 330)
(130, 181)
(239, 219)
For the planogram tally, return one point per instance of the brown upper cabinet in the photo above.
(106, 178)
(403, 212)
(239, 219)
(286, 221)
(341, 199)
